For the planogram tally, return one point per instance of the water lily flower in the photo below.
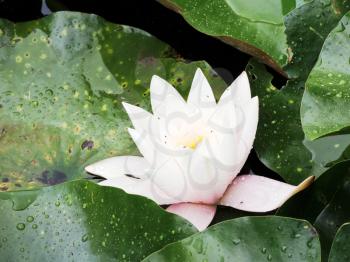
(193, 151)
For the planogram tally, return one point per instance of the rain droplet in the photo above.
(263, 250)
(85, 238)
(236, 241)
(30, 219)
(34, 226)
(21, 226)
(269, 257)
(198, 245)
(283, 249)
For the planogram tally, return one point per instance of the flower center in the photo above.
(192, 143)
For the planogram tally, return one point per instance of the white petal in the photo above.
(160, 90)
(207, 179)
(118, 166)
(144, 144)
(192, 178)
(170, 177)
(238, 91)
(201, 94)
(199, 215)
(260, 194)
(141, 119)
(224, 118)
(142, 187)
(248, 130)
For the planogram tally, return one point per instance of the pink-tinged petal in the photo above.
(201, 95)
(260, 194)
(143, 187)
(160, 90)
(118, 166)
(200, 215)
(238, 91)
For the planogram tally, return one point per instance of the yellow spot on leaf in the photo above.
(19, 59)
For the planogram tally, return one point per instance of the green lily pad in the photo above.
(324, 204)
(241, 24)
(341, 246)
(247, 239)
(81, 221)
(280, 141)
(278, 34)
(62, 81)
(325, 105)
(307, 27)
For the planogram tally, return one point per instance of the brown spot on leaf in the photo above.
(89, 144)
(52, 177)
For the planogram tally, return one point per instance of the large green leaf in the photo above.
(62, 81)
(279, 34)
(341, 246)
(307, 26)
(247, 239)
(325, 106)
(241, 24)
(81, 221)
(280, 141)
(324, 204)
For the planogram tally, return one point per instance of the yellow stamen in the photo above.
(193, 143)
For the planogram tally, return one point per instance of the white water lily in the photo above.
(192, 152)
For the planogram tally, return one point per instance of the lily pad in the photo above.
(324, 204)
(341, 246)
(241, 24)
(280, 142)
(307, 27)
(247, 239)
(62, 81)
(279, 139)
(325, 105)
(81, 221)
(278, 34)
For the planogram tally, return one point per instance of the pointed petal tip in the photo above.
(90, 169)
(155, 81)
(199, 72)
(126, 105)
(304, 184)
(260, 194)
(132, 132)
(244, 75)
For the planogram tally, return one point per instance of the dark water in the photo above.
(152, 17)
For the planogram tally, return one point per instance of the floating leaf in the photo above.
(325, 105)
(82, 221)
(247, 239)
(240, 24)
(341, 246)
(324, 204)
(286, 35)
(280, 141)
